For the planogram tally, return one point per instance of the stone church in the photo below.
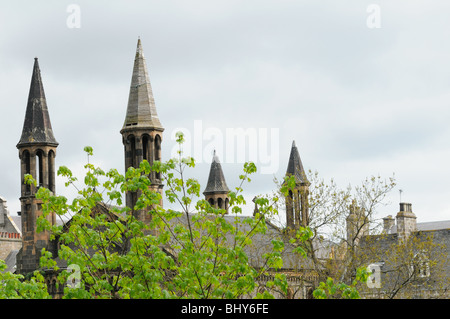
(142, 136)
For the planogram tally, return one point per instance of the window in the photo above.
(39, 168)
(420, 266)
(146, 148)
(133, 161)
(26, 167)
(158, 153)
(51, 171)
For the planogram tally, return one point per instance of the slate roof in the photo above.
(262, 244)
(8, 223)
(426, 226)
(141, 110)
(37, 128)
(10, 261)
(17, 222)
(216, 179)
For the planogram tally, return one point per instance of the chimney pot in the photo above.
(406, 207)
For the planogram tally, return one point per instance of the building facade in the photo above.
(10, 236)
(406, 260)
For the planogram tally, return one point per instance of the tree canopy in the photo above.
(197, 251)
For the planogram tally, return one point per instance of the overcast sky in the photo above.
(362, 92)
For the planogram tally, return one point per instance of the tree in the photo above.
(197, 251)
(348, 220)
(331, 290)
(14, 286)
(338, 218)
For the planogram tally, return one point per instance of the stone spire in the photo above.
(37, 128)
(216, 179)
(37, 151)
(216, 192)
(141, 110)
(295, 166)
(142, 131)
(297, 207)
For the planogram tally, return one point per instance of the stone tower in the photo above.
(297, 206)
(142, 130)
(37, 151)
(216, 192)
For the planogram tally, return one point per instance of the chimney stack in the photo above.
(357, 224)
(406, 221)
(388, 223)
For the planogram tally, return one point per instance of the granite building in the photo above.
(408, 259)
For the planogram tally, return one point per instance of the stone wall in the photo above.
(8, 242)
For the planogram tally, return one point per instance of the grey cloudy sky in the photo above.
(358, 101)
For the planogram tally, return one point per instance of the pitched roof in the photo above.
(141, 110)
(295, 166)
(10, 261)
(216, 179)
(37, 128)
(426, 226)
(8, 223)
(261, 243)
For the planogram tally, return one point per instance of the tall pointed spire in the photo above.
(141, 110)
(37, 151)
(37, 128)
(295, 166)
(297, 207)
(142, 131)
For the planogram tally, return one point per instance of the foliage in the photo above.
(197, 251)
(331, 290)
(14, 286)
(194, 251)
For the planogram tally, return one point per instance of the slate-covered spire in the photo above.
(295, 166)
(37, 151)
(37, 128)
(216, 179)
(141, 110)
(297, 207)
